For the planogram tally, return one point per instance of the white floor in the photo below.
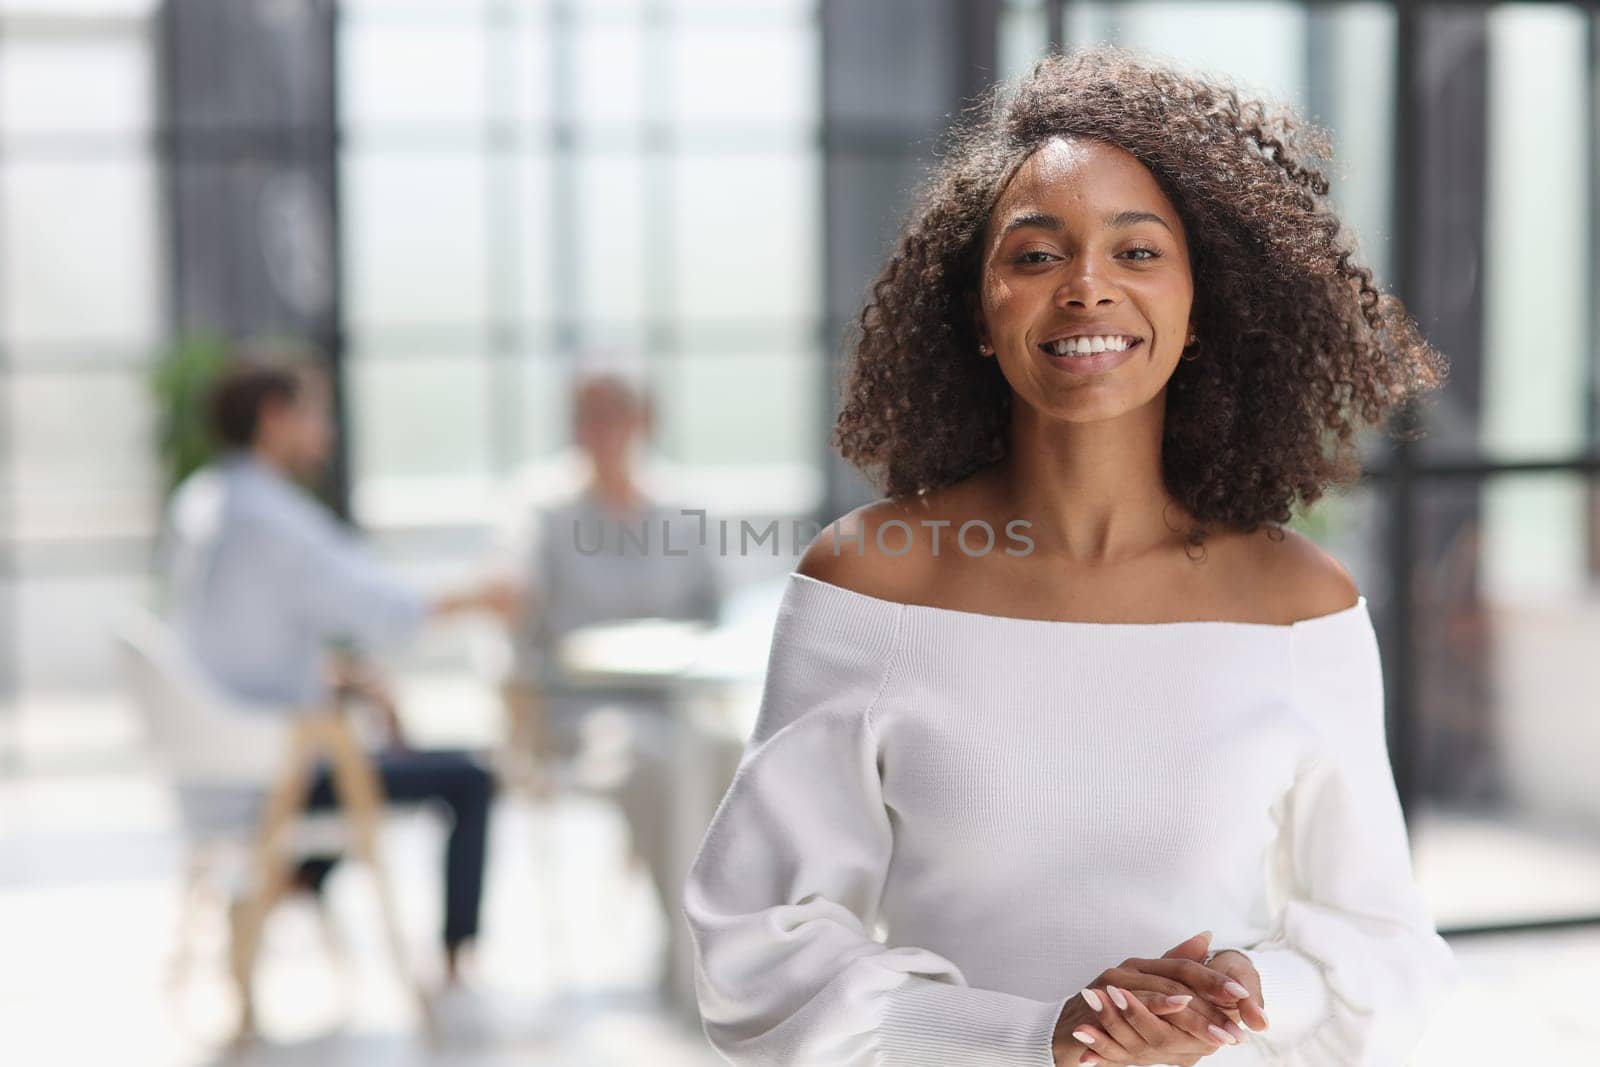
(89, 908)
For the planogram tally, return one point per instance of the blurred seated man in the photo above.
(277, 600)
(577, 568)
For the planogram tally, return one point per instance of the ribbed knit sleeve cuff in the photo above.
(928, 1023)
(1294, 992)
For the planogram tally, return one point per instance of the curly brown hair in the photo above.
(1313, 350)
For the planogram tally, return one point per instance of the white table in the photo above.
(710, 679)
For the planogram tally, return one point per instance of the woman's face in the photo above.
(1083, 242)
(606, 419)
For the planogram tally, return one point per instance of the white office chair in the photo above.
(241, 776)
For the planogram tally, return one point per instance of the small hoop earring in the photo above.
(1190, 356)
(983, 350)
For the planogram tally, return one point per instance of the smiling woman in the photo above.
(978, 779)
(1208, 212)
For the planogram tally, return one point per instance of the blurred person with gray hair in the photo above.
(277, 600)
(595, 552)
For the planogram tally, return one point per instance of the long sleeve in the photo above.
(343, 592)
(1354, 969)
(786, 886)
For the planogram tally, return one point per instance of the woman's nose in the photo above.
(1085, 285)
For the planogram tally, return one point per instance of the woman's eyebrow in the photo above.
(1116, 220)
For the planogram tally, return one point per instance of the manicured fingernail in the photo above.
(1083, 1035)
(1264, 1023)
(1236, 989)
(1220, 1034)
(1177, 1001)
(1117, 998)
(1238, 1034)
(1091, 998)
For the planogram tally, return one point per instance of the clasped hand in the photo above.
(1172, 1010)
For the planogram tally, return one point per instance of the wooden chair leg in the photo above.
(269, 870)
(522, 757)
(361, 794)
(533, 748)
(247, 919)
(555, 939)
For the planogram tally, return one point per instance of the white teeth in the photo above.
(1090, 345)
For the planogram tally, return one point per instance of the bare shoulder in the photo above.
(876, 549)
(1296, 576)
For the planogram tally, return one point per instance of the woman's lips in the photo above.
(1099, 361)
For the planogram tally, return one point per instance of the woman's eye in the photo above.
(1149, 254)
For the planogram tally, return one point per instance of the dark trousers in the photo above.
(440, 776)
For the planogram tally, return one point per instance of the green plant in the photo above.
(181, 383)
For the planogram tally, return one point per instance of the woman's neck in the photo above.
(1093, 491)
(616, 491)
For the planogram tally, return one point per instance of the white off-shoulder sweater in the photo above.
(946, 823)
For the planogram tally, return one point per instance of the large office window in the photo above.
(1509, 606)
(81, 294)
(526, 182)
